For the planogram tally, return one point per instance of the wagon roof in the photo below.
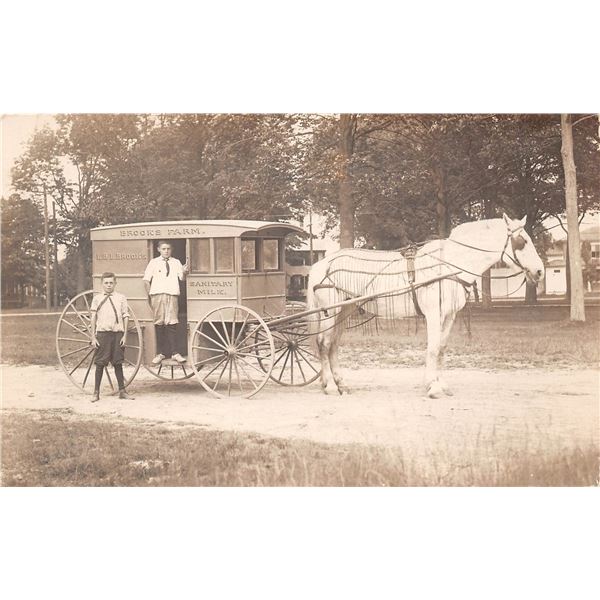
(206, 228)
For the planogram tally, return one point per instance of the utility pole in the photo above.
(55, 249)
(46, 250)
(311, 255)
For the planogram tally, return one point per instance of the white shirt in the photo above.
(106, 319)
(156, 274)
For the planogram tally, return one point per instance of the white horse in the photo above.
(435, 285)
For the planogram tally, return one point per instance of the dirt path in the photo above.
(386, 407)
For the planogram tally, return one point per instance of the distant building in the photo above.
(298, 265)
(556, 262)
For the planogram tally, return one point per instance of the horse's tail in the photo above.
(312, 302)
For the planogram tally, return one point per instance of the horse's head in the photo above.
(520, 250)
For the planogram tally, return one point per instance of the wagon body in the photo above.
(230, 263)
(235, 282)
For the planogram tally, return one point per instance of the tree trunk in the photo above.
(577, 305)
(486, 289)
(441, 205)
(347, 129)
(530, 293)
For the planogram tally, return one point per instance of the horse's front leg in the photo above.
(432, 384)
(444, 335)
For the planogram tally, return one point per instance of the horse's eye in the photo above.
(519, 243)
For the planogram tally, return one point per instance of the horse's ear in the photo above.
(523, 221)
(507, 220)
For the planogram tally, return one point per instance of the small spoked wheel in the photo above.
(295, 362)
(76, 353)
(232, 352)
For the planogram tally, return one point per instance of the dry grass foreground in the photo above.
(59, 448)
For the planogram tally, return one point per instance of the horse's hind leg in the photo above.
(324, 342)
(335, 368)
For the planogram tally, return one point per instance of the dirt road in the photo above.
(387, 407)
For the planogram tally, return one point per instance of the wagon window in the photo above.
(200, 255)
(249, 255)
(224, 255)
(271, 255)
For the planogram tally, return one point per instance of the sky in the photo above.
(15, 131)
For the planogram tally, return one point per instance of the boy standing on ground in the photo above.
(161, 279)
(110, 318)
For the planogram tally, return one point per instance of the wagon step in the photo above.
(171, 362)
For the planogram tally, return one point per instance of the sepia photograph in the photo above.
(299, 301)
(309, 299)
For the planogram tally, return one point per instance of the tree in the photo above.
(73, 164)
(573, 241)
(22, 245)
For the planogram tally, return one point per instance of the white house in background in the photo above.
(298, 265)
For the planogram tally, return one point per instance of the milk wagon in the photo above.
(235, 285)
(232, 323)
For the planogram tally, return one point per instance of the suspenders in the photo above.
(111, 303)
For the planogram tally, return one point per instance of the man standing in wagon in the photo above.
(161, 279)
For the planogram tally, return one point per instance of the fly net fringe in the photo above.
(354, 273)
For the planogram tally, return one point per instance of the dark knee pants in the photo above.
(109, 349)
(166, 339)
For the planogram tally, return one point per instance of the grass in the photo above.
(511, 339)
(58, 448)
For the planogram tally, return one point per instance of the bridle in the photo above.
(516, 244)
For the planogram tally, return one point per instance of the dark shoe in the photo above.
(123, 395)
(96, 397)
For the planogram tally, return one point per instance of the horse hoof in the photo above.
(435, 390)
(446, 389)
(343, 390)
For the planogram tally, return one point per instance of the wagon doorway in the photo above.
(178, 251)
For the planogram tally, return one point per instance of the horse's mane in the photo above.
(469, 230)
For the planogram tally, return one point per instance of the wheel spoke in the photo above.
(65, 339)
(225, 329)
(236, 341)
(230, 377)
(201, 362)
(284, 364)
(250, 364)
(212, 340)
(299, 364)
(220, 350)
(237, 373)
(87, 373)
(265, 341)
(221, 374)
(81, 361)
(248, 377)
(301, 353)
(86, 325)
(217, 332)
(75, 351)
(86, 332)
(224, 358)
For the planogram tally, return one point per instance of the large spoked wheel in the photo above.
(232, 352)
(76, 353)
(295, 362)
